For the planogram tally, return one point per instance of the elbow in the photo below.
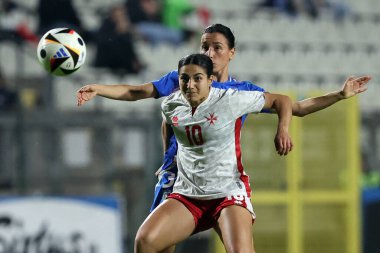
(132, 96)
(297, 110)
(299, 114)
(132, 99)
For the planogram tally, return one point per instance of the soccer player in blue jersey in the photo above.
(218, 42)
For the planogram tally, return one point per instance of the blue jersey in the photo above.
(168, 171)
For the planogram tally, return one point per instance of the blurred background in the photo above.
(82, 179)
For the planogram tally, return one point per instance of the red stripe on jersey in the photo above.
(243, 176)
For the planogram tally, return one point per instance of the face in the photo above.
(194, 83)
(215, 45)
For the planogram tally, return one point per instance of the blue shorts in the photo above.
(167, 174)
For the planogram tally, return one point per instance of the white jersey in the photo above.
(209, 154)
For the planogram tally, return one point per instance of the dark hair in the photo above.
(226, 31)
(201, 60)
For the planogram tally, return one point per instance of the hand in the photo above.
(86, 93)
(283, 142)
(354, 85)
(161, 169)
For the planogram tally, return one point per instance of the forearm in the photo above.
(125, 91)
(311, 105)
(283, 106)
(165, 135)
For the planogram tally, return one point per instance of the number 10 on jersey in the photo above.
(194, 135)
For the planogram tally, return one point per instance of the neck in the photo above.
(221, 76)
(195, 104)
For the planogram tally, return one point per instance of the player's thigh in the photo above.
(234, 228)
(167, 225)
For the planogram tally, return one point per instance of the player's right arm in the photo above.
(155, 89)
(283, 106)
(118, 92)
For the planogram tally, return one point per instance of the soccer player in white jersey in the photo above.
(218, 42)
(212, 190)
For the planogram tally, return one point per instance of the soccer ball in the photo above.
(61, 51)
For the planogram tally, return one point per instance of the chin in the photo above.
(192, 100)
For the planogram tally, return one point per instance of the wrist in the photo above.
(341, 95)
(96, 89)
(283, 128)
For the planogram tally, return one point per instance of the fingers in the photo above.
(360, 84)
(80, 98)
(362, 80)
(362, 89)
(283, 146)
(158, 171)
(359, 80)
(82, 95)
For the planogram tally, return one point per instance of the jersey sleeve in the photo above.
(165, 109)
(252, 87)
(164, 117)
(166, 84)
(245, 101)
(240, 86)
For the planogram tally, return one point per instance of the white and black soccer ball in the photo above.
(61, 51)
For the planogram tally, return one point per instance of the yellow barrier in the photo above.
(309, 201)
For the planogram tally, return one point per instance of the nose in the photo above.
(190, 84)
(210, 52)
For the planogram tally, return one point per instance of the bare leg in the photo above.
(235, 229)
(168, 224)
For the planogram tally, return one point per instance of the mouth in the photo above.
(190, 94)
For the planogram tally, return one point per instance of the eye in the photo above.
(204, 48)
(198, 78)
(184, 79)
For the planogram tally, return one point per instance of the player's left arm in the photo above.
(283, 106)
(166, 134)
(351, 87)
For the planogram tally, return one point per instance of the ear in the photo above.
(210, 80)
(232, 53)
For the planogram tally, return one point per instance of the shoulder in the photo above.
(218, 91)
(242, 85)
(247, 85)
(173, 74)
(166, 84)
(173, 98)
